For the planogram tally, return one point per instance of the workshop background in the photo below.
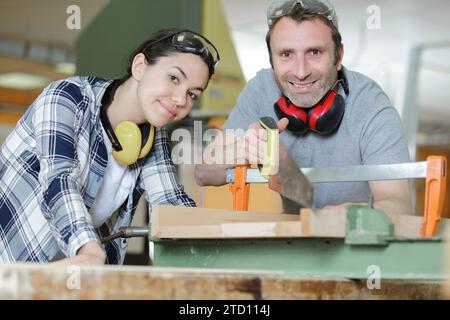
(403, 45)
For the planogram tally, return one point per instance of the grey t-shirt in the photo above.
(370, 133)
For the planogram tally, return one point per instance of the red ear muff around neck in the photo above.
(326, 116)
(297, 117)
(323, 118)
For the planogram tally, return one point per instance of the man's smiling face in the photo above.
(303, 60)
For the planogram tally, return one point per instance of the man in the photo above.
(358, 127)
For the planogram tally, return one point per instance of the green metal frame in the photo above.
(421, 259)
(369, 242)
(366, 225)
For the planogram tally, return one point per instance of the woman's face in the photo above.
(167, 89)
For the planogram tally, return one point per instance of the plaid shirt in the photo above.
(51, 167)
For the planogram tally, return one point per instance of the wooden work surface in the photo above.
(178, 222)
(39, 281)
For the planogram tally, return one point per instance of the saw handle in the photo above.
(435, 186)
(271, 152)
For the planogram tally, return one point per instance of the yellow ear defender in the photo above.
(130, 142)
(136, 143)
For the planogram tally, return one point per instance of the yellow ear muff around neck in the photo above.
(149, 144)
(130, 139)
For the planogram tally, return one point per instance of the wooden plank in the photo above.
(47, 281)
(18, 97)
(179, 215)
(203, 223)
(232, 230)
(9, 117)
(47, 70)
(320, 223)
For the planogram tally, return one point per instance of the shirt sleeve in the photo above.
(382, 140)
(57, 122)
(159, 177)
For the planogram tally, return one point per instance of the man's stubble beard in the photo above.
(310, 99)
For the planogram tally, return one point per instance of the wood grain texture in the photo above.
(45, 281)
(203, 223)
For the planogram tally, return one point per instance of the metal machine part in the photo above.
(127, 232)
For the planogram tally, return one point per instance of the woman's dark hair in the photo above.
(160, 45)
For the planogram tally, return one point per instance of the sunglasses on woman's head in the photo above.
(190, 41)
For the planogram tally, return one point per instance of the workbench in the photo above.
(47, 281)
(217, 254)
(362, 245)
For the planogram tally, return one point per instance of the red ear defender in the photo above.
(323, 118)
(298, 118)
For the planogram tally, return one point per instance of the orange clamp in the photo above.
(240, 188)
(435, 186)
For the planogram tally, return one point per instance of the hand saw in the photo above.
(434, 170)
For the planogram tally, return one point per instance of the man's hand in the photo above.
(91, 253)
(250, 148)
(244, 150)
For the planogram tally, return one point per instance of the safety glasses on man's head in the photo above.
(280, 8)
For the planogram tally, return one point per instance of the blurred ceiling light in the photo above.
(66, 68)
(22, 81)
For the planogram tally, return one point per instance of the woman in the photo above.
(67, 179)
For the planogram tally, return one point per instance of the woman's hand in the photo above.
(91, 253)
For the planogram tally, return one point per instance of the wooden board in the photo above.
(202, 223)
(47, 281)
(322, 223)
